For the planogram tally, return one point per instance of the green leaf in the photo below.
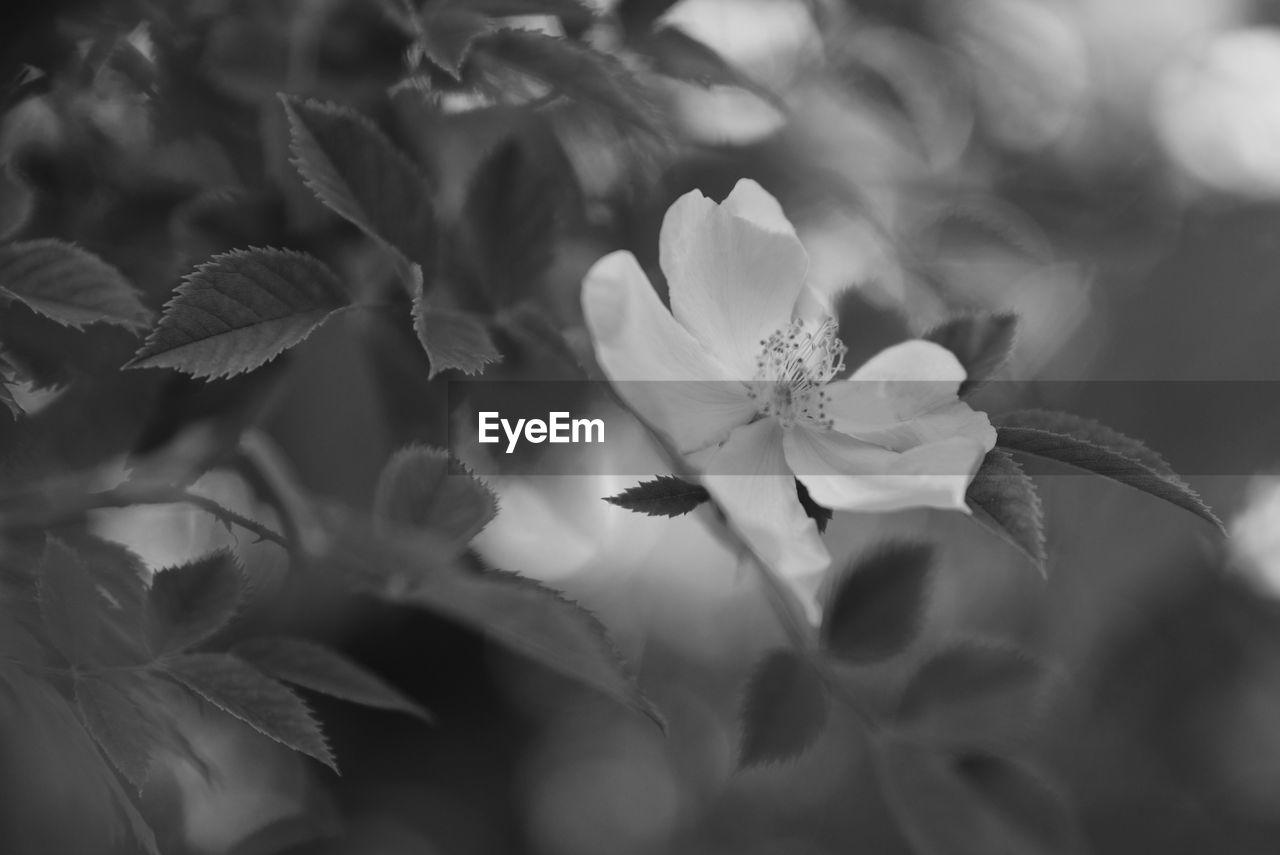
(974, 695)
(878, 603)
(447, 34)
(982, 343)
(356, 171)
(425, 488)
(306, 664)
(594, 80)
(121, 729)
(819, 514)
(239, 311)
(573, 13)
(1004, 499)
(16, 202)
(676, 54)
(1108, 460)
(783, 711)
(524, 616)
(452, 339)
(664, 496)
(189, 603)
(69, 285)
(240, 690)
(970, 806)
(510, 221)
(1086, 429)
(70, 604)
(68, 746)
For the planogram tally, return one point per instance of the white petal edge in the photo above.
(656, 366)
(752, 202)
(732, 282)
(845, 474)
(750, 481)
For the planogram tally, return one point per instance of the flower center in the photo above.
(793, 366)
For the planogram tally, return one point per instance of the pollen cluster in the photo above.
(794, 364)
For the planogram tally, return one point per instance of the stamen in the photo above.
(794, 363)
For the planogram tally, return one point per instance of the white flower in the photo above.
(748, 358)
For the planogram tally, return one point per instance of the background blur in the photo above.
(1109, 171)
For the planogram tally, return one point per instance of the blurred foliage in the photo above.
(422, 187)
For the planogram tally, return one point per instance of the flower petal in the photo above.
(750, 201)
(906, 396)
(733, 282)
(846, 474)
(678, 387)
(749, 479)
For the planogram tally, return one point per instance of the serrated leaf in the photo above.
(593, 79)
(982, 344)
(115, 722)
(971, 806)
(1106, 461)
(509, 222)
(239, 689)
(447, 34)
(69, 285)
(819, 514)
(70, 604)
(189, 603)
(973, 695)
(1004, 499)
(54, 721)
(16, 202)
(571, 12)
(783, 710)
(239, 311)
(357, 172)
(425, 488)
(663, 496)
(306, 664)
(878, 603)
(1087, 429)
(7, 399)
(522, 615)
(452, 339)
(678, 55)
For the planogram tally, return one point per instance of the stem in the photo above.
(128, 495)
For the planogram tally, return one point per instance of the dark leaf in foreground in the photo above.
(1004, 499)
(306, 664)
(982, 805)
(241, 310)
(424, 488)
(664, 496)
(678, 55)
(241, 690)
(116, 723)
(419, 570)
(69, 285)
(976, 694)
(982, 343)
(878, 603)
(453, 339)
(356, 171)
(784, 709)
(190, 603)
(1108, 460)
(70, 604)
(509, 222)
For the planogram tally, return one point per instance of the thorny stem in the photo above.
(128, 495)
(797, 630)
